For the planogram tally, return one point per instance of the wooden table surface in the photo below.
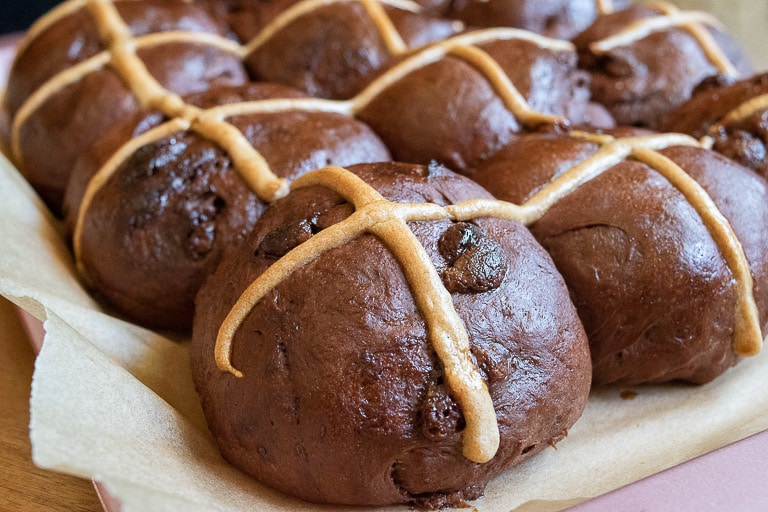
(23, 486)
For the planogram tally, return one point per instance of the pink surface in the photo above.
(732, 478)
(109, 503)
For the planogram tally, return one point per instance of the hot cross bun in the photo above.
(662, 244)
(334, 49)
(459, 100)
(86, 65)
(150, 223)
(563, 19)
(732, 115)
(647, 59)
(382, 338)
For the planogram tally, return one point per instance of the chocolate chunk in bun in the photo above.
(90, 162)
(663, 245)
(332, 49)
(384, 336)
(647, 59)
(150, 222)
(129, 55)
(459, 100)
(562, 19)
(70, 34)
(734, 117)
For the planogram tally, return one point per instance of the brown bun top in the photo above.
(733, 115)
(397, 318)
(82, 100)
(712, 101)
(69, 35)
(646, 60)
(97, 155)
(666, 267)
(150, 222)
(460, 100)
(344, 44)
(246, 18)
(562, 19)
(333, 49)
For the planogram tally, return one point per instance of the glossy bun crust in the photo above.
(652, 287)
(59, 125)
(335, 50)
(452, 111)
(645, 76)
(157, 227)
(734, 114)
(563, 19)
(343, 399)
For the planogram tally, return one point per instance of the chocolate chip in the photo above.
(334, 215)
(476, 263)
(279, 242)
(457, 239)
(203, 213)
(742, 147)
(440, 415)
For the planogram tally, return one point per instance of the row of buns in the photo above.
(407, 238)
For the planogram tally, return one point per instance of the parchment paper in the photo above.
(114, 402)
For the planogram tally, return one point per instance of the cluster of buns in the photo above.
(407, 237)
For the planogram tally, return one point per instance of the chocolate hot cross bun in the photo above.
(459, 100)
(415, 23)
(663, 245)
(647, 59)
(88, 64)
(382, 338)
(151, 217)
(334, 49)
(732, 115)
(563, 19)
